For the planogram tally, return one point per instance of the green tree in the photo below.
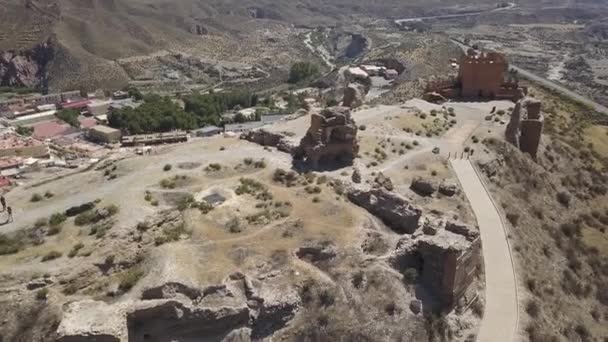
(25, 131)
(208, 108)
(135, 93)
(156, 114)
(301, 71)
(70, 116)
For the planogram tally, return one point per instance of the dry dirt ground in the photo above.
(257, 233)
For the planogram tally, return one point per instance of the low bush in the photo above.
(41, 222)
(167, 167)
(57, 219)
(42, 293)
(52, 255)
(36, 198)
(85, 218)
(128, 279)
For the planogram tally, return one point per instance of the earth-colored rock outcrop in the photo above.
(396, 211)
(331, 138)
(25, 68)
(423, 187)
(354, 95)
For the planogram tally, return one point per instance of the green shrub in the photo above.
(54, 230)
(301, 71)
(49, 194)
(260, 164)
(160, 240)
(112, 209)
(85, 218)
(57, 219)
(167, 183)
(52, 255)
(42, 293)
(74, 251)
(128, 279)
(36, 198)
(234, 225)
(213, 167)
(167, 167)
(41, 222)
(70, 289)
(12, 244)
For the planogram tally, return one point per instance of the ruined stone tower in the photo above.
(526, 126)
(482, 75)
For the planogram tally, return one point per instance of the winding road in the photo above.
(500, 319)
(560, 89)
(456, 15)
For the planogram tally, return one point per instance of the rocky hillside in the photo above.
(87, 37)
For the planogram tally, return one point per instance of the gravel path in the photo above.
(500, 318)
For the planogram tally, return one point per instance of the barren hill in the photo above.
(85, 38)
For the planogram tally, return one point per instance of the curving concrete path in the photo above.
(500, 318)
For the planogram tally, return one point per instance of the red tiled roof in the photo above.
(75, 104)
(7, 163)
(49, 129)
(4, 181)
(87, 122)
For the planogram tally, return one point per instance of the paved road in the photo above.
(500, 319)
(547, 83)
(457, 15)
(561, 89)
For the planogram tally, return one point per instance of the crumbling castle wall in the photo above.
(394, 210)
(447, 260)
(526, 126)
(332, 137)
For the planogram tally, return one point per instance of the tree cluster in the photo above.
(208, 108)
(156, 114)
(70, 116)
(301, 71)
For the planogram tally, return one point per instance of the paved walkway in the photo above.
(501, 317)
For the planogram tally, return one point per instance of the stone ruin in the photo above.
(481, 75)
(526, 126)
(394, 210)
(266, 138)
(239, 309)
(445, 254)
(354, 95)
(331, 138)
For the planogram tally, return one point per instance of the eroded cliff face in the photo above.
(25, 68)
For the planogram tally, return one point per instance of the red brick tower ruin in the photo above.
(482, 75)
